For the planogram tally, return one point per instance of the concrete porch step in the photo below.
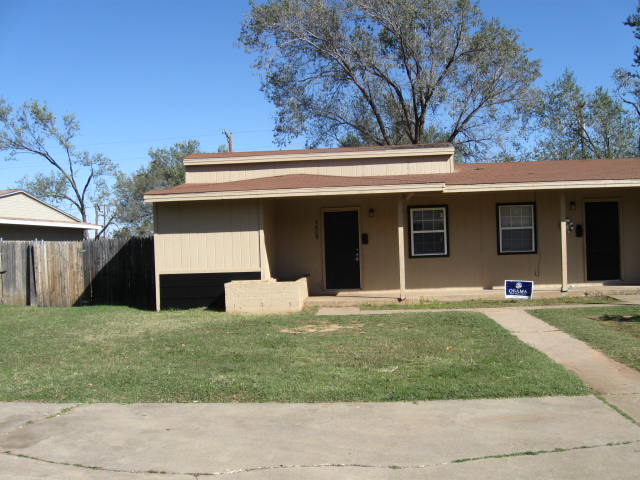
(390, 297)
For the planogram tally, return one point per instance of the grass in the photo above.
(615, 331)
(482, 303)
(117, 354)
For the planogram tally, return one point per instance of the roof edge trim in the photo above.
(545, 185)
(324, 155)
(295, 192)
(44, 223)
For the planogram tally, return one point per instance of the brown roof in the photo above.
(6, 192)
(465, 174)
(194, 156)
(300, 180)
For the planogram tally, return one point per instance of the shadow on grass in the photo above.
(620, 318)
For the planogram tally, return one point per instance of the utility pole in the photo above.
(229, 136)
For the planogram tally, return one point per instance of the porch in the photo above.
(369, 248)
(385, 262)
(389, 297)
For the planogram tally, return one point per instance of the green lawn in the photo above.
(614, 331)
(482, 303)
(117, 354)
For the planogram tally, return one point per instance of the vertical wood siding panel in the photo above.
(208, 237)
(362, 167)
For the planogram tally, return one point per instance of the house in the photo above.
(24, 217)
(390, 221)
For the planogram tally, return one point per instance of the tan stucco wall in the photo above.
(207, 237)
(19, 232)
(299, 233)
(352, 168)
(23, 207)
(473, 260)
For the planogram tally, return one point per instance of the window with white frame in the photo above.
(516, 228)
(428, 231)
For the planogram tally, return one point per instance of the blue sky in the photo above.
(141, 74)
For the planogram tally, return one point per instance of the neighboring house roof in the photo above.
(30, 211)
(466, 177)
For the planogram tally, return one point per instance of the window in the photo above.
(428, 231)
(516, 228)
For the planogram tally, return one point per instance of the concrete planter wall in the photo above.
(265, 296)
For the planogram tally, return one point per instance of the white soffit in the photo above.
(45, 223)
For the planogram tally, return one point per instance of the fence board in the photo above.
(14, 288)
(105, 271)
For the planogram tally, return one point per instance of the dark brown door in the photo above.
(603, 240)
(341, 250)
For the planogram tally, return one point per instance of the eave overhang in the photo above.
(46, 223)
(295, 192)
(388, 189)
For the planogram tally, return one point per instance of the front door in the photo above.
(342, 250)
(603, 240)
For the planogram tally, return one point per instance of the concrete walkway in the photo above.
(619, 384)
(633, 299)
(491, 439)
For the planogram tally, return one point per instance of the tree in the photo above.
(628, 80)
(379, 72)
(78, 180)
(165, 170)
(568, 123)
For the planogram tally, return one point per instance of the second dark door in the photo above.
(603, 240)
(342, 250)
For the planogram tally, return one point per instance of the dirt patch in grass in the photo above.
(321, 328)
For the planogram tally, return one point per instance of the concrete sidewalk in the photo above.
(493, 438)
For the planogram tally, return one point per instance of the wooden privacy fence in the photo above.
(90, 272)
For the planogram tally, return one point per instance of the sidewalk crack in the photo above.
(42, 419)
(542, 452)
(617, 409)
(230, 471)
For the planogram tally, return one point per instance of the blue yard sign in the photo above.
(518, 289)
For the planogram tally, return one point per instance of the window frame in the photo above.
(534, 228)
(444, 208)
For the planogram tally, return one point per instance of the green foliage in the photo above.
(628, 80)
(375, 72)
(567, 123)
(78, 179)
(115, 354)
(633, 21)
(134, 217)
